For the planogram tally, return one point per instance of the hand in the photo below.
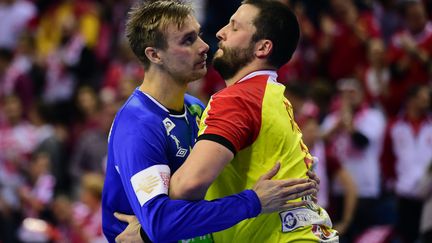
(315, 179)
(274, 194)
(132, 232)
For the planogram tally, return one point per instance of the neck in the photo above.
(251, 67)
(163, 88)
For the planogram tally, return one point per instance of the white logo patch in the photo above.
(151, 182)
(298, 217)
(169, 125)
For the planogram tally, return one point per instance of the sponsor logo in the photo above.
(181, 152)
(148, 184)
(299, 217)
(177, 142)
(151, 182)
(289, 221)
(169, 125)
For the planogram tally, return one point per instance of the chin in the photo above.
(198, 75)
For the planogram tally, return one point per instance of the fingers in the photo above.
(292, 182)
(291, 196)
(312, 175)
(292, 205)
(124, 217)
(271, 173)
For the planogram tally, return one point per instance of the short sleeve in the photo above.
(232, 121)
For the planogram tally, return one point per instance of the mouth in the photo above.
(203, 61)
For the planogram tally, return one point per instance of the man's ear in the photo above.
(263, 48)
(153, 55)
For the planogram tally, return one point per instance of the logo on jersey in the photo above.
(299, 217)
(289, 221)
(151, 182)
(181, 152)
(176, 141)
(169, 125)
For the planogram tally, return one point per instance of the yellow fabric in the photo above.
(49, 32)
(279, 140)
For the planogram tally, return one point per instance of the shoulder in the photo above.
(137, 118)
(194, 105)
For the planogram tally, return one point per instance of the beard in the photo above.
(232, 60)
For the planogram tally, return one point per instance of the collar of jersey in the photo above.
(273, 75)
(163, 107)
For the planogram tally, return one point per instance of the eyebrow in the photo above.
(190, 33)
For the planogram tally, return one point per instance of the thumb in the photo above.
(272, 172)
(123, 217)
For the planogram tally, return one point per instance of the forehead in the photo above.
(173, 32)
(245, 15)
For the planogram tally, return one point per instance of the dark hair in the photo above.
(277, 23)
(6, 54)
(148, 21)
(413, 91)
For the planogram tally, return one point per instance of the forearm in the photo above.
(184, 189)
(350, 196)
(166, 220)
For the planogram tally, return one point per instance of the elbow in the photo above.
(158, 230)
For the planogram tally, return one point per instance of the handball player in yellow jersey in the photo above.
(249, 125)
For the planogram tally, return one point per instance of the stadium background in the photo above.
(65, 68)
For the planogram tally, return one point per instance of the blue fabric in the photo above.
(139, 139)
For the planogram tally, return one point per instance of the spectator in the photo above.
(328, 169)
(16, 16)
(376, 75)
(426, 217)
(355, 132)
(410, 54)
(406, 156)
(345, 34)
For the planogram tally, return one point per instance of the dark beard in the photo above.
(232, 60)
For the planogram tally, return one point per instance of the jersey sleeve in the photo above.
(231, 121)
(141, 161)
(167, 220)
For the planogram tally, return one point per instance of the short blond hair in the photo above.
(147, 23)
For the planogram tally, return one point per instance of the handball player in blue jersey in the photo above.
(155, 130)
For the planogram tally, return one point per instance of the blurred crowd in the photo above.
(360, 84)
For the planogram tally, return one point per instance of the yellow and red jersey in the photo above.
(254, 120)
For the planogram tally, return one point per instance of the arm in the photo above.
(144, 173)
(164, 219)
(194, 177)
(350, 200)
(272, 194)
(144, 178)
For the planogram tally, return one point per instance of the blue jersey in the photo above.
(147, 144)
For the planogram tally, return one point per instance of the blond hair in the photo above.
(147, 24)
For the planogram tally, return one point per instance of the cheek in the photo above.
(181, 56)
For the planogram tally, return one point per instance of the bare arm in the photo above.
(204, 164)
(350, 200)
